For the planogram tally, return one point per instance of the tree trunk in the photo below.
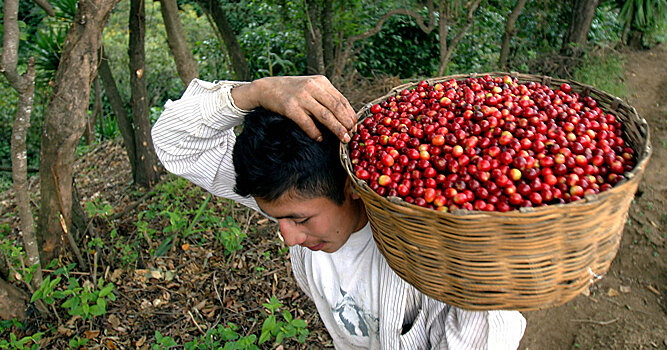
(509, 33)
(122, 118)
(65, 121)
(313, 36)
(13, 302)
(183, 57)
(446, 15)
(583, 12)
(239, 63)
(328, 37)
(25, 86)
(147, 173)
(91, 119)
(635, 39)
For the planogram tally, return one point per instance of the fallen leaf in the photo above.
(140, 275)
(612, 293)
(116, 274)
(141, 341)
(65, 331)
(111, 345)
(91, 334)
(169, 275)
(624, 289)
(157, 274)
(114, 321)
(145, 304)
(200, 305)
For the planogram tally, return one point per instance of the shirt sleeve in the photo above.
(194, 137)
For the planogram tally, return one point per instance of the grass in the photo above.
(604, 72)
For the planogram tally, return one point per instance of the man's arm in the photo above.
(194, 137)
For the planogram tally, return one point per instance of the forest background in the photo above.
(99, 247)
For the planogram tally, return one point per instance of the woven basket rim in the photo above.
(645, 152)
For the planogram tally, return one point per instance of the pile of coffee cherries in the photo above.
(489, 144)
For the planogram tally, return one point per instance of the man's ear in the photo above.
(350, 191)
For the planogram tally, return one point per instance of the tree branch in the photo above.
(25, 86)
(345, 53)
(46, 7)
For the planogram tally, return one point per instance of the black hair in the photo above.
(272, 156)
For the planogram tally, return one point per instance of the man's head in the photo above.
(297, 180)
(273, 156)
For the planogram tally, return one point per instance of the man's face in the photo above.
(316, 223)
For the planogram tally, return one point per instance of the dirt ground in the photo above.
(627, 309)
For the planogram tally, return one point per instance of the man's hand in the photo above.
(301, 99)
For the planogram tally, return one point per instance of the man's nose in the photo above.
(291, 235)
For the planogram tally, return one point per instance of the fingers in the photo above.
(305, 122)
(331, 108)
(337, 104)
(303, 99)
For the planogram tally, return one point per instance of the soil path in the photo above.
(627, 309)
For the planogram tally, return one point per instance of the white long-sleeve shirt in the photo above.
(361, 301)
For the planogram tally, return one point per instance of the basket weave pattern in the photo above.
(529, 259)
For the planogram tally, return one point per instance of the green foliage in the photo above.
(162, 342)
(221, 338)
(161, 75)
(606, 27)
(186, 223)
(124, 249)
(604, 72)
(474, 52)
(271, 51)
(13, 342)
(643, 15)
(26, 343)
(281, 330)
(229, 235)
(77, 342)
(648, 17)
(95, 208)
(15, 256)
(85, 300)
(401, 49)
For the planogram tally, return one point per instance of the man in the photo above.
(285, 164)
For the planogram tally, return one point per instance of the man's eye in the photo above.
(301, 222)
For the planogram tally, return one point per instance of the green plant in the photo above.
(88, 300)
(127, 251)
(13, 252)
(162, 342)
(229, 234)
(603, 72)
(281, 330)
(25, 343)
(225, 338)
(95, 208)
(77, 342)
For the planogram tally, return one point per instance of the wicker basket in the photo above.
(529, 259)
